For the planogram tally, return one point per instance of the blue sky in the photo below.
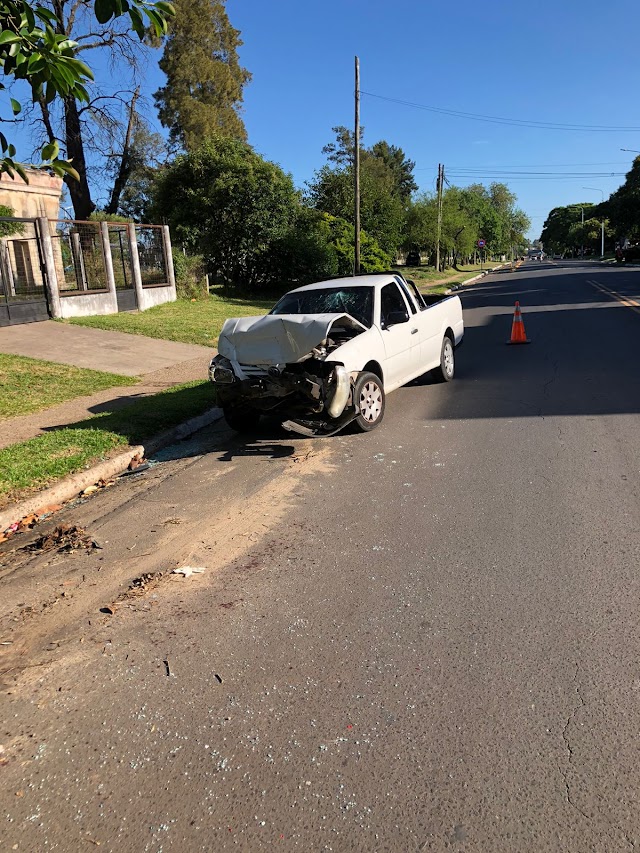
(565, 62)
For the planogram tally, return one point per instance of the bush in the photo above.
(304, 254)
(190, 272)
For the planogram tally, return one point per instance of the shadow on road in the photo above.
(269, 442)
(582, 360)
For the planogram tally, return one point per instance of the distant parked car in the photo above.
(413, 259)
(631, 253)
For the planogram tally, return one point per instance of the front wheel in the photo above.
(446, 369)
(368, 398)
(241, 418)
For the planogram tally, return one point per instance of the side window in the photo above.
(405, 290)
(391, 300)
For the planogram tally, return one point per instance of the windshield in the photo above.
(356, 301)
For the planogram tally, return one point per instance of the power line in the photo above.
(505, 173)
(533, 166)
(540, 125)
(497, 177)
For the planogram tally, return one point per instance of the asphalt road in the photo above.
(425, 638)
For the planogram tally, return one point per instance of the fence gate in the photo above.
(23, 295)
(122, 270)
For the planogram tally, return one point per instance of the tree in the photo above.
(458, 231)
(400, 167)
(205, 80)
(495, 217)
(36, 46)
(146, 153)
(125, 166)
(225, 202)
(341, 152)
(421, 227)
(562, 230)
(623, 207)
(382, 210)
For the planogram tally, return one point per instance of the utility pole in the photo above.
(356, 176)
(439, 232)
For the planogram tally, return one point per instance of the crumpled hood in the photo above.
(278, 338)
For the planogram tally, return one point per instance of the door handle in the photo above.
(414, 331)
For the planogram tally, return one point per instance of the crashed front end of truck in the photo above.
(287, 366)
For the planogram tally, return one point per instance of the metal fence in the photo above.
(120, 255)
(20, 263)
(96, 267)
(153, 262)
(79, 256)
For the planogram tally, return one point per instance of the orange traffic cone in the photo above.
(518, 334)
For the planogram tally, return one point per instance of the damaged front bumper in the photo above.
(313, 397)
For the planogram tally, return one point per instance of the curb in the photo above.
(468, 281)
(475, 278)
(71, 486)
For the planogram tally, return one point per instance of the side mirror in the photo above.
(394, 318)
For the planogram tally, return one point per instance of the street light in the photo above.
(630, 150)
(598, 190)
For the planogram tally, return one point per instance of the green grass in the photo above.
(429, 279)
(30, 385)
(424, 275)
(197, 322)
(42, 460)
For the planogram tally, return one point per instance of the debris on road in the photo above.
(144, 580)
(96, 487)
(187, 571)
(229, 604)
(65, 538)
(137, 465)
(136, 462)
(29, 521)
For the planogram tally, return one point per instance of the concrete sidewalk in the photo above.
(97, 349)
(160, 364)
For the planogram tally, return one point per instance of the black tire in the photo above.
(369, 400)
(447, 367)
(241, 418)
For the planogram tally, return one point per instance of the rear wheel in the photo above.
(368, 397)
(241, 418)
(447, 367)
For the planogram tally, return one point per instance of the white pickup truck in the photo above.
(328, 353)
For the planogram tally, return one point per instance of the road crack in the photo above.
(565, 737)
(570, 757)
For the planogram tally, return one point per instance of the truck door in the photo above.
(397, 325)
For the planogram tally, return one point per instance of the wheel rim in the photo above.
(370, 401)
(447, 357)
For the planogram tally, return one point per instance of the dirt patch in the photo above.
(62, 588)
